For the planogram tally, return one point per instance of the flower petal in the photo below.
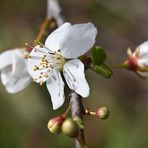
(18, 62)
(75, 77)
(143, 61)
(77, 40)
(54, 11)
(143, 74)
(36, 56)
(143, 50)
(6, 74)
(6, 58)
(13, 83)
(53, 42)
(55, 86)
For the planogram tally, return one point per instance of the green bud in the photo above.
(103, 70)
(79, 121)
(54, 125)
(70, 127)
(99, 55)
(102, 112)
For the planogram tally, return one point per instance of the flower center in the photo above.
(52, 61)
(48, 62)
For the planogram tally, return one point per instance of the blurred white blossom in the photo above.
(47, 61)
(13, 68)
(138, 60)
(54, 11)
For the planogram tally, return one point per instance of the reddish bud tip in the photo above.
(54, 125)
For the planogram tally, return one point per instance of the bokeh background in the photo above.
(121, 24)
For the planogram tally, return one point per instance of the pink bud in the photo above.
(54, 125)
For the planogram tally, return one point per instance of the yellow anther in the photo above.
(26, 44)
(46, 75)
(34, 79)
(41, 83)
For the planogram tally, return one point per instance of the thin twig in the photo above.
(43, 29)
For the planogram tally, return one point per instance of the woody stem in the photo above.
(77, 109)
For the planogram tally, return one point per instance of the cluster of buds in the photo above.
(101, 112)
(67, 126)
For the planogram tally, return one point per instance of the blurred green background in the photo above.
(121, 24)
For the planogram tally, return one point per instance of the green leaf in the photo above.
(103, 70)
(99, 55)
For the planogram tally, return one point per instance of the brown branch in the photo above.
(77, 109)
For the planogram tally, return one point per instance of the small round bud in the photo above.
(70, 127)
(102, 112)
(54, 125)
(79, 121)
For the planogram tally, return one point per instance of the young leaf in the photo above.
(103, 70)
(99, 55)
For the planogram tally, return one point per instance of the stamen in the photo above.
(35, 57)
(34, 79)
(42, 82)
(36, 68)
(27, 45)
(42, 45)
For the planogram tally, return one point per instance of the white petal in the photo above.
(6, 75)
(13, 83)
(55, 86)
(53, 41)
(6, 58)
(75, 77)
(143, 74)
(77, 40)
(143, 50)
(36, 55)
(143, 61)
(19, 84)
(18, 62)
(38, 51)
(54, 11)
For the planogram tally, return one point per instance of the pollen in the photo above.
(47, 60)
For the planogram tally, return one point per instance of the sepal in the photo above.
(103, 70)
(98, 55)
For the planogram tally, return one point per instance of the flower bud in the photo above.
(54, 125)
(79, 121)
(70, 127)
(102, 113)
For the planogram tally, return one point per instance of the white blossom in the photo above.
(138, 60)
(54, 11)
(47, 62)
(13, 68)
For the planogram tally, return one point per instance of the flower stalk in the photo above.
(123, 65)
(67, 111)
